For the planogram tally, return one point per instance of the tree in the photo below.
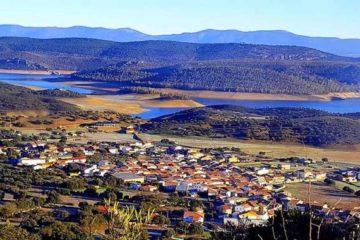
(83, 205)
(169, 234)
(232, 231)
(63, 140)
(62, 215)
(161, 219)
(53, 197)
(110, 194)
(29, 224)
(196, 205)
(8, 210)
(196, 228)
(91, 191)
(89, 220)
(174, 199)
(61, 231)
(9, 232)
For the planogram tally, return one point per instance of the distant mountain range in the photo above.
(344, 47)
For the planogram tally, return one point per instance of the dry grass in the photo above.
(27, 118)
(349, 154)
(31, 113)
(37, 72)
(128, 104)
(109, 137)
(74, 200)
(322, 193)
(103, 103)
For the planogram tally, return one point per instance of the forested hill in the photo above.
(254, 76)
(85, 54)
(231, 67)
(15, 98)
(297, 125)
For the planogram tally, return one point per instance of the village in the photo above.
(220, 186)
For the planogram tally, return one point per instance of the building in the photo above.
(192, 217)
(128, 177)
(186, 186)
(88, 172)
(128, 130)
(31, 161)
(284, 166)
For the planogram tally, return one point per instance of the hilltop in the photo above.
(295, 125)
(83, 54)
(15, 98)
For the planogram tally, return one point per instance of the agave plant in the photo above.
(126, 223)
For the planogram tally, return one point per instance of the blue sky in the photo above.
(340, 18)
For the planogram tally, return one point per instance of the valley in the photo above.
(267, 118)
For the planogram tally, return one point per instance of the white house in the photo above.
(88, 172)
(125, 149)
(185, 186)
(262, 171)
(31, 161)
(113, 151)
(244, 207)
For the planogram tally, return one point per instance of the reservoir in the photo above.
(44, 82)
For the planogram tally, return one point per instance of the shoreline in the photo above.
(35, 72)
(195, 93)
(231, 95)
(128, 104)
(261, 96)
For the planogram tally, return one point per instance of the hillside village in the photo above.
(191, 187)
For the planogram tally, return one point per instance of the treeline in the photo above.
(145, 90)
(124, 71)
(295, 125)
(60, 93)
(275, 77)
(253, 77)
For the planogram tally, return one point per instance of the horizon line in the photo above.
(179, 33)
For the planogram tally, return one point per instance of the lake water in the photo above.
(157, 112)
(337, 106)
(39, 81)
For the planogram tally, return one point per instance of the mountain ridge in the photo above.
(341, 46)
(84, 54)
